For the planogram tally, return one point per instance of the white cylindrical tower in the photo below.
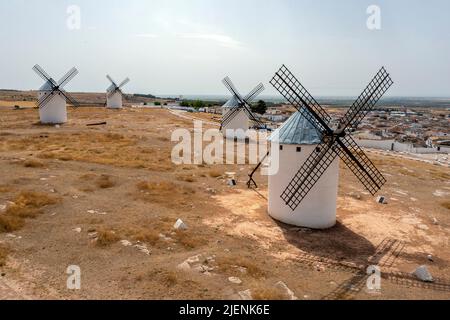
(237, 127)
(297, 139)
(55, 110)
(114, 101)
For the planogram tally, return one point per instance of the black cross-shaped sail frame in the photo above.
(334, 143)
(56, 87)
(241, 103)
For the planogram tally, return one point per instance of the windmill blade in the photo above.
(247, 109)
(44, 75)
(359, 163)
(44, 101)
(67, 77)
(112, 81)
(254, 93)
(124, 82)
(230, 116)
(294, 92)
(309, 174)
(113, 92)
(367, 100)
(230, 86)
(70, 99)
(243, 104)
(110, 88)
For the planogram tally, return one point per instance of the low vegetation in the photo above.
(32, 163)
(268, 293)
(446, 204)
(106, 237)
(105, 182)
(26, 205)
(230, 264)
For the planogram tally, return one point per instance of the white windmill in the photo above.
(114, 93)
(52, 98)
(309, 141)
(236, 113)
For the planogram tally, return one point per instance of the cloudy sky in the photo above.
(187, 47)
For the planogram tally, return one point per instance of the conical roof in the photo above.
(233, 102)
(296, 130)
(47, 86)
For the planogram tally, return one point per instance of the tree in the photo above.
(260, 107)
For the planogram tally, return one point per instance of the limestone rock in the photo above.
(180, 225)
(235, 280)
(282, 286)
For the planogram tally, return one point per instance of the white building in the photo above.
(55, 110)
(297, 139)
(239, 124)
(114, 101)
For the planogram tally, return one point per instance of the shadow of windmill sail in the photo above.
(338, 247)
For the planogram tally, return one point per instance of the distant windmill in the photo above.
(309, 140)
(237, 113)
(114, 93)
(52, 97)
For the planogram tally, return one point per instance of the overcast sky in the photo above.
(188, 46)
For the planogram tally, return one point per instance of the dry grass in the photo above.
(190, 239)
(186, 178)
(166, 193)
(105, 182)
(446, 204)
(26, 205)
(95, 147)
(3, 255)
(230, 263)
(32, 163)
(5, 188)
(148, 236)
(106, 237)
(214, 173)
(10, 223)
(268, 293)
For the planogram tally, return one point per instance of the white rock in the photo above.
(2, 207)
(194, 259)
(282, 286)
(430, 258)
(91, 211)
(184, 266)
(77, 230)
(126, 243)
(180, 225)
(235, 280)
(142, 248)
(435, 221)
(245, 295)
(423, 274)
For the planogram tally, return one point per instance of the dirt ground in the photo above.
(105, 198)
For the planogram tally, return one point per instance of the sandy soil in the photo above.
(116, 196)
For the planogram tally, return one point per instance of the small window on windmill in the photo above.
(299, 149)
(281, 148)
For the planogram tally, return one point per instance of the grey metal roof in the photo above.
(296, 130)
(233, 102)
(47, 86)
